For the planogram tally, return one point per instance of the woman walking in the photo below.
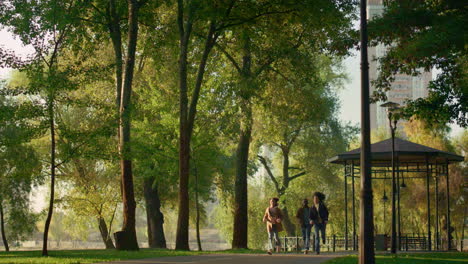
(272, 218)
(319, 219)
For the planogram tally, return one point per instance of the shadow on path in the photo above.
(235, 259)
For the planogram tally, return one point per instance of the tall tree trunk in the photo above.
(240, 233)
(52, 175)
(154, 216)
(115, 34)
(105, 233)
(187, 116)
(289, 226)
(184, 151)
(2, 226)
(113, 24)
(126, 239)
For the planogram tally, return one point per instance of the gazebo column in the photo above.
(398, 201)
(436, 179)
(346, 205)
(449, 242)
(354, 206)
(428, 205)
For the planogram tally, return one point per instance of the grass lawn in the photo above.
(93, 256)
(404, 258)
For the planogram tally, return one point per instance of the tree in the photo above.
(108, 15)
(254, 48)
(215, 18)
(286, 117)
(126, 239)
(16, 176)
(46, 78)
(422, 35)
(92, 193)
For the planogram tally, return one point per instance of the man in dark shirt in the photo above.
(302, 216)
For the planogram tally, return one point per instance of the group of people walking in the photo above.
(315, 217)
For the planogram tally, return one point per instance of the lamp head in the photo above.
(390, 105)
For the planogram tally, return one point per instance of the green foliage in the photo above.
(17, 177)
(422, 35)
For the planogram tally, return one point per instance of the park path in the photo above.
(235, 259)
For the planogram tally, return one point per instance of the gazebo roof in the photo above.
(405, 151)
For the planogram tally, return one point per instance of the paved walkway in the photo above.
(236, 259)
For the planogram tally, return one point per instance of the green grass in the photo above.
(93, 256)
(403, 258)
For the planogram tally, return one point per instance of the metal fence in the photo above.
(334, 243)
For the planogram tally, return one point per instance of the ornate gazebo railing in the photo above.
(407, 242)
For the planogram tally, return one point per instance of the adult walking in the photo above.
(302, 217)
(273, 217)
(319, 219)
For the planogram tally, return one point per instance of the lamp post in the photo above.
(391, 109)
(366, 239)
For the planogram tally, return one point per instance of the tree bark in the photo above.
(52, 175)
(240, 232)
(184, 151)
(187, 116)
(154, 216)
(126, 239)
(2, 225)
(288, 224)
(113, 24)
(105, 234)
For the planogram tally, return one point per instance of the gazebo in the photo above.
(409, 157)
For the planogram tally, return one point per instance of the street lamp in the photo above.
(391, 110)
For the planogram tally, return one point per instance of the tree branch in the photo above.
(295, 168)
(230, 58)
(270, 173)
(209, 43)
(250, 19)
(297, 175)
(294, 136)
(264, 66)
